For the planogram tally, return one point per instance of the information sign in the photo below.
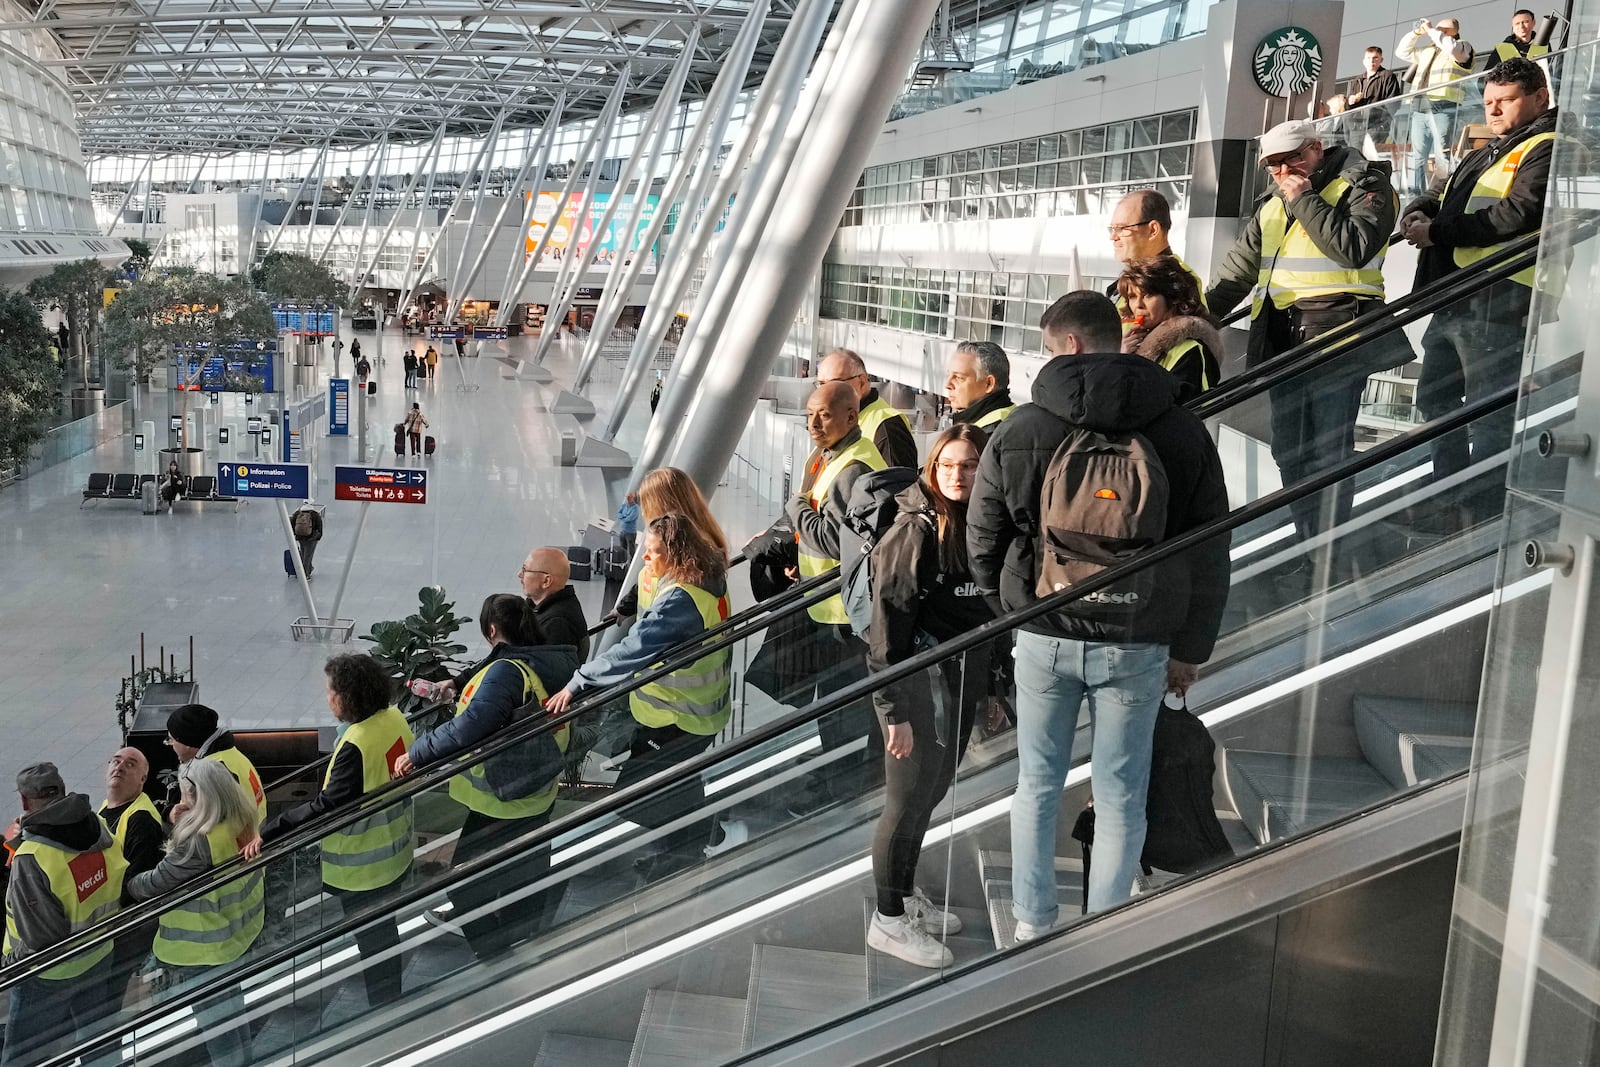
(380, 485)
(339, 407)
(281, 480)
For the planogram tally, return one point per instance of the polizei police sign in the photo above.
(1288, 61)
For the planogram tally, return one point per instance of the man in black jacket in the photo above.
(977, 383)
(1474, 347)
(1074, 654)
(1373, 85)
(1311, 258)
(544, 576)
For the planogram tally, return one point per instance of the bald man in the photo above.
(888, 429)
(136, 828)
(544, 576)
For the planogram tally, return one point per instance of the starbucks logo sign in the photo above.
(1287, 61)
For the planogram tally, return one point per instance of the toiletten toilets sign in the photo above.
(1288, 61)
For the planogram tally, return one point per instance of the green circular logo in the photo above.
(1287, 61)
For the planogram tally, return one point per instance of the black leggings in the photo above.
(496, 931)
(378, 936)
(914, 785)
(655, 748)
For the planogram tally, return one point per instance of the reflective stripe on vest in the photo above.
(89, 887)
(119, 833)
(471, 787)
(1437, 72)
(244, 772)
(875, 415)
(831, 610)
(695, 698)
(994, 416)
(1294, 268)
(1493, 186)
(221, 925)
(377, 850)
(1506, 50)
(1175, 354)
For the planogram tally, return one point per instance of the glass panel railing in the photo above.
(623, 901)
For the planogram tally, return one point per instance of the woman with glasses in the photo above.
(211, 825)
(1168, 323)
(683, 592)
(923, 593)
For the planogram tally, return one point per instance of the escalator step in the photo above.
(793, 989)
(887, 975)
(995, 864)
(1004, 923)
(678, 1029)
(570, 1050)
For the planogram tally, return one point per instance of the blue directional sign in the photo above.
(339, 407)
(380, 485)
(282, 480)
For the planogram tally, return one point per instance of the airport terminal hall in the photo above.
(681, 533)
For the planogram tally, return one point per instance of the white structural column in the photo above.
(677, 265)
(127, 196)
(869, 71)
(408, 280)
(454, 305)
(724, 92)
(612, 106)
(651, 136)
(316, 168)
(316, 201)
(537, 160)
(374, 160)
(411, 187)
(783, 115)
(455, 206)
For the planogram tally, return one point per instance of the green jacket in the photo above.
(1350, 233)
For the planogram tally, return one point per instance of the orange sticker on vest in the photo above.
(88, 873)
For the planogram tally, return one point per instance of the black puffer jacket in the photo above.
(1109, 394)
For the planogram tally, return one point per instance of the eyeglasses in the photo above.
(847, 378)
(966, 466)
(1117, 231)
(1281, 162)
(529, 570)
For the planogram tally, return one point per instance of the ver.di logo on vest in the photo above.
(1287, 61)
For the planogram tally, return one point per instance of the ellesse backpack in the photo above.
(1104, 500)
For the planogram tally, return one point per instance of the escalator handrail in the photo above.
(426, 778)
(673, 776)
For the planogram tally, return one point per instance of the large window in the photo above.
(43, 187)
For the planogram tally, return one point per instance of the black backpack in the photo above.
(1183, 832)
(868, 515)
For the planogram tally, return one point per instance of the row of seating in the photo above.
(201, 488)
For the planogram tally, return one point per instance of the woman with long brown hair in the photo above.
(683, 592)
(1170, 323)
(923, 593)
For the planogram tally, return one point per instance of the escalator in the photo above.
(1316, 697)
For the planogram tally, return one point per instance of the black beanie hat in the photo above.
(192, 725)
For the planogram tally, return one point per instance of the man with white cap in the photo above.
(1310, 259)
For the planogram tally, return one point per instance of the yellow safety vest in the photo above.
(1506, 50)
(695, 698)
(1437, 73)
(471, 787)
(831, 610)
(1293, 267)
(994, 417)
(1128, 325)
(220, 926)
(244, 772)
(89, 887)
(1493, 186)
(119, 833)
(875, 415)
(1176, 353)
(377, 850)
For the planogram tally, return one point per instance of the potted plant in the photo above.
(421, 646)
(28, 380)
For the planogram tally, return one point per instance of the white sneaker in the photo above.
(903, 938)
(932, 918)
(735, 832)
(435, 917)
(1031, 932)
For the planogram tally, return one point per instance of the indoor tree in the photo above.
(78, 288)
(288, 276)
(28, 378)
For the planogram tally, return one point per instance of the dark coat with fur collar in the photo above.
(1198, 367)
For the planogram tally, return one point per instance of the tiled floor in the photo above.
(81, 585)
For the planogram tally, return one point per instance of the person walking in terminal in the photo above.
(545, 576)
(215, 820)
(431, 358)
(194, 732)
(1115, 659)
(1439, 58)
(1311, 258)
(628, 523)
(507, 797)
(888, 429)
(1141, 225)
(365, 858)
(922, 593)
(66, 876)
(139, 834)
(410, 364)
(683, 592)
(1170, 323)
(977, 382)
(1375, 84)
(1473, 348)
(1519, 42)
(415, 423)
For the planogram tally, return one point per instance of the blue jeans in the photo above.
(46, 1011)
(1430, 135)
(1122, 684)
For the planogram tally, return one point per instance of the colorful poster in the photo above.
(573, 227)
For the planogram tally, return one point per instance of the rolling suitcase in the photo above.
(428, 445)
(372, 388)
(581, 563)
(288, 563)
(399, 439)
